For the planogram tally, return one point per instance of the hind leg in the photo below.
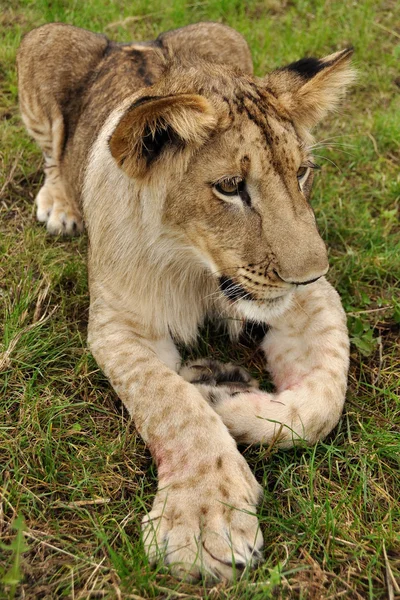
(53, 62)
(53, 204)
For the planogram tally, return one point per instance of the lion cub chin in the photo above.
(193, 179)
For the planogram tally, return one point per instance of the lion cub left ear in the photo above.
(311, 87)
(153, 126)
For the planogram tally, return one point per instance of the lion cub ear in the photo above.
(311, 87)
(154, 125)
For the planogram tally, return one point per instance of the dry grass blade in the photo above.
(124, 23)
(10, 175)
(390, 579)
(92, 502)
(5, 360)
(30, 536)
(387, 29)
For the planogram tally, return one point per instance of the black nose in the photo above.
(233, 290)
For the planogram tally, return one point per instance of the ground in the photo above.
(75, 478)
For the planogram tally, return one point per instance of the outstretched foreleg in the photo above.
(307, 350)
(203, 518)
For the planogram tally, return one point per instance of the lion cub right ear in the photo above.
(153, 126)
(312, 87)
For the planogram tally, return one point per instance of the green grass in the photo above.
(75, 478)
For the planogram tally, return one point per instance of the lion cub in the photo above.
(193, 179)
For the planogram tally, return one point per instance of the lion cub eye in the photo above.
(232, 186)
(302, 174)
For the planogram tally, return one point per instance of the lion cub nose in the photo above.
(309, 278)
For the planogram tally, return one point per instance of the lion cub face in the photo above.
(229, 154)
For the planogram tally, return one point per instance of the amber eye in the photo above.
(230, 187)
(302, 174)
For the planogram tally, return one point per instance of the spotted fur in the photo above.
(140, 138)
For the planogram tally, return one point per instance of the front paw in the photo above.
(205, 524)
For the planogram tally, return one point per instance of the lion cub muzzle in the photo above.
(251, 283)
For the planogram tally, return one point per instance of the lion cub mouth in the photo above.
(234, 291)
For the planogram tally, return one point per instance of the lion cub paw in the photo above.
(216, 381)
(206, 526)
(61, 215)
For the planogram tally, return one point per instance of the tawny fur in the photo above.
(140, 137)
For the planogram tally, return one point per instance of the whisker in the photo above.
(345, 152)
(329, 143)
(215, 294)
(336, 137)
(330, 147)
(242, 298)
(220, 273)
(232, 287)
(337, 147)
(337, 150)
(329, 160)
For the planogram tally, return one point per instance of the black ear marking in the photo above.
(154, 142)
(307, 67)
(153, 126)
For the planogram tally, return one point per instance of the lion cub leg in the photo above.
(203, 519)
(53, 205)
(308, 357)
(50, 63)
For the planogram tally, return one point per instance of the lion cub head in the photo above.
(230, 154)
